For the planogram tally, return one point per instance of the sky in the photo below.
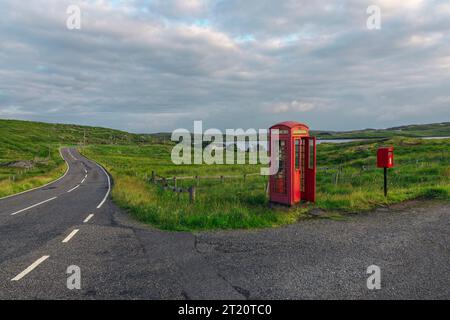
(158, 65)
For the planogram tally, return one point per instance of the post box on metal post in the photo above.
(385, 160)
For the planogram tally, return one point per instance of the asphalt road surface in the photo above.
(72, 222)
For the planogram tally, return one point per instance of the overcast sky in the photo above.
(157, 65)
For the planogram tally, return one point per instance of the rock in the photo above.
(25, 164)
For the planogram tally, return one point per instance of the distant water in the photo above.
(319, 141)
(432, 138)
(352, 140)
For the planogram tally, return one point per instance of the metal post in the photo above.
(385, 183)
(175, 182)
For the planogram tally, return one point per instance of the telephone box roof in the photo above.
(290, 124)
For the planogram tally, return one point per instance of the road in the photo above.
(72, 222)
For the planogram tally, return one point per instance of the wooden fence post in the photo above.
(245, 178)
(153, 177)
(336, 178)
(221, 179)
(175, 182)
(197, 178)
(192, 194)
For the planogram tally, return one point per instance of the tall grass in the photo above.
(27, 182)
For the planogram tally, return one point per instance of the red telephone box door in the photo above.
(309, 191)
(297, 169)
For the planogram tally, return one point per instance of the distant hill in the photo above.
(26, 139)
(414, 130)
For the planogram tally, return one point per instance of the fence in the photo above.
(337, 175)
(192, 190)
(347, 174)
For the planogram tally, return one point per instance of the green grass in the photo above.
(422, 171)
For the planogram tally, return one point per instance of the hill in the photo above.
(415, 130)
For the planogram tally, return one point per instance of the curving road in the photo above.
(73, 222)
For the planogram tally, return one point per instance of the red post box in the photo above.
(385, 157)
(296, 176)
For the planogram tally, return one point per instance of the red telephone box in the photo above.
(296, 176)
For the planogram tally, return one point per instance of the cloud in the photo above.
(157, 65)
(393, 5)
(294, 106)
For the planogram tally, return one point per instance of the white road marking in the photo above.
(70, 153)
(73, 189)
(109, 187)
(45, 185)
(89, 217)
(82, 181)
(30, 268)
(70, 236)
(85, 171)
(34, 205)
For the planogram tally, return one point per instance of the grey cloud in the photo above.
(150, 66)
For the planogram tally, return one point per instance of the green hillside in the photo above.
(415, 130)
(29, 155)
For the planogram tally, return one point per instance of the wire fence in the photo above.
(356, 174)
(172, 183)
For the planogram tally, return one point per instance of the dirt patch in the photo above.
(412, 204)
